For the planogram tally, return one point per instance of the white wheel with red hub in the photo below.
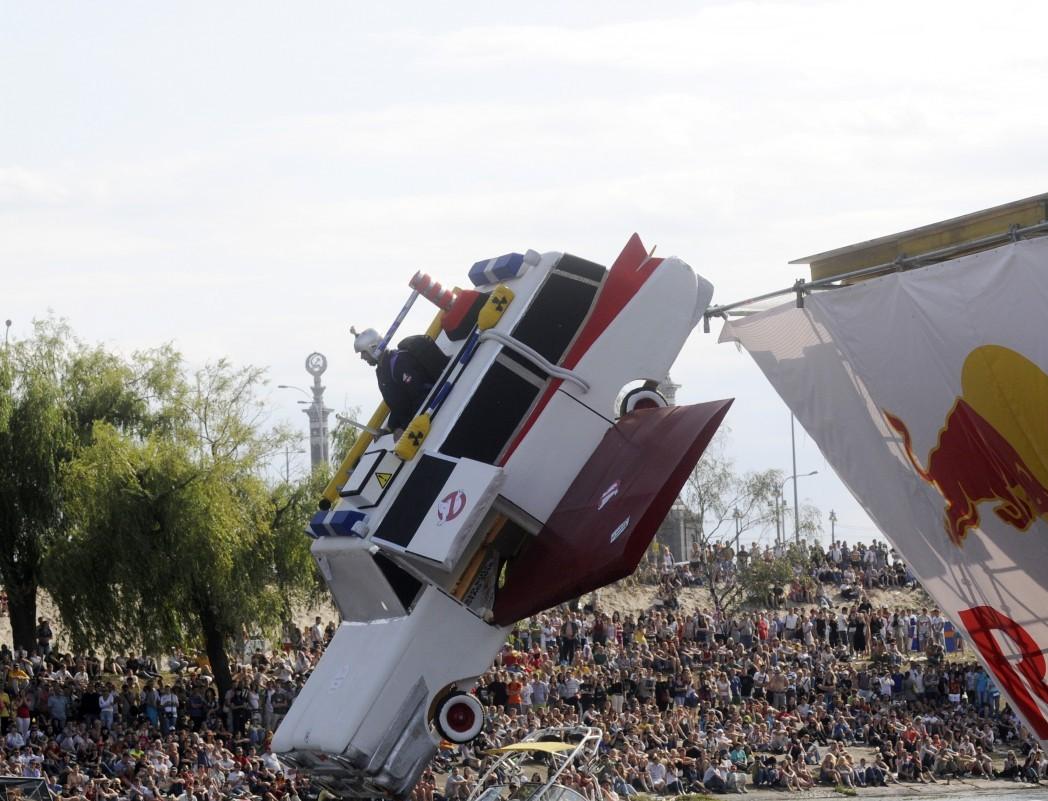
(460, 718)
(642, 398)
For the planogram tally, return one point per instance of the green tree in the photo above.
(763, 581)
(721, 506)
(810, 527)
(344, 436)
(53, 389)
(175, 538)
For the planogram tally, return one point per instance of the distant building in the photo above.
(317, 412)
(677, 533)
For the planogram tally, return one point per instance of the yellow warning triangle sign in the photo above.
(383, 479)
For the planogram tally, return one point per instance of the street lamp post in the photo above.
(287, 462)
(683, 532)
(780, 523)
(738, 528)
(784, 509)
(833, 527)
(780, 516)
(796, 510)
(778, 534)
(793, 453)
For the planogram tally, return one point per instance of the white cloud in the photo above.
(19, 185)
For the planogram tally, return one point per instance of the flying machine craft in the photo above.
(520, 482)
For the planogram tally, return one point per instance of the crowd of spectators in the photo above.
(688, 699)
(841, 569)
(127, 728)
(831, 690)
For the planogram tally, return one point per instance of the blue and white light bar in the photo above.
(338, 523)
(502, 268)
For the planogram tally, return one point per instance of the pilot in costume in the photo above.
(405, 374)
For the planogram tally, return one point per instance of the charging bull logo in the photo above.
(993, 446)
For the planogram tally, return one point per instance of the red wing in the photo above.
(605, 521)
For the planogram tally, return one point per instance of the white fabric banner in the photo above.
(927, 392)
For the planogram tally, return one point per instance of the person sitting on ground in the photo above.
(947, 763)
(734, 778)
(1011, 767)
(714, 779)
(872, 775)
(787, 776)
(768, 772)
(845, 768)
(1031, 770)
(804, 774)
(622, 787)
(657, 775)
(881, 765)
(456, 785)
(911, 770)
(828, 773)
(739, 756)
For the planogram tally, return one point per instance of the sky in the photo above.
(250, 179)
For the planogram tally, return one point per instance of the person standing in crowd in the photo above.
(569, 639)
(937, 629)
(168, 707)
(151, 704)
(44, 635)
(316, 633)
(107, 705)
(924, 629)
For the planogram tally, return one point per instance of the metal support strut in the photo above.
(901, 264)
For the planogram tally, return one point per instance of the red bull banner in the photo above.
(927, 391)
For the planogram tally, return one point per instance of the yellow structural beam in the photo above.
(330, 495)
(956, 231)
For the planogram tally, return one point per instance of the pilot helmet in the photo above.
(367, 342)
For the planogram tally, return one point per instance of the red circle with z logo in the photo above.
(451, 506)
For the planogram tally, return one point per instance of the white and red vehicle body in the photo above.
(528, 490)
